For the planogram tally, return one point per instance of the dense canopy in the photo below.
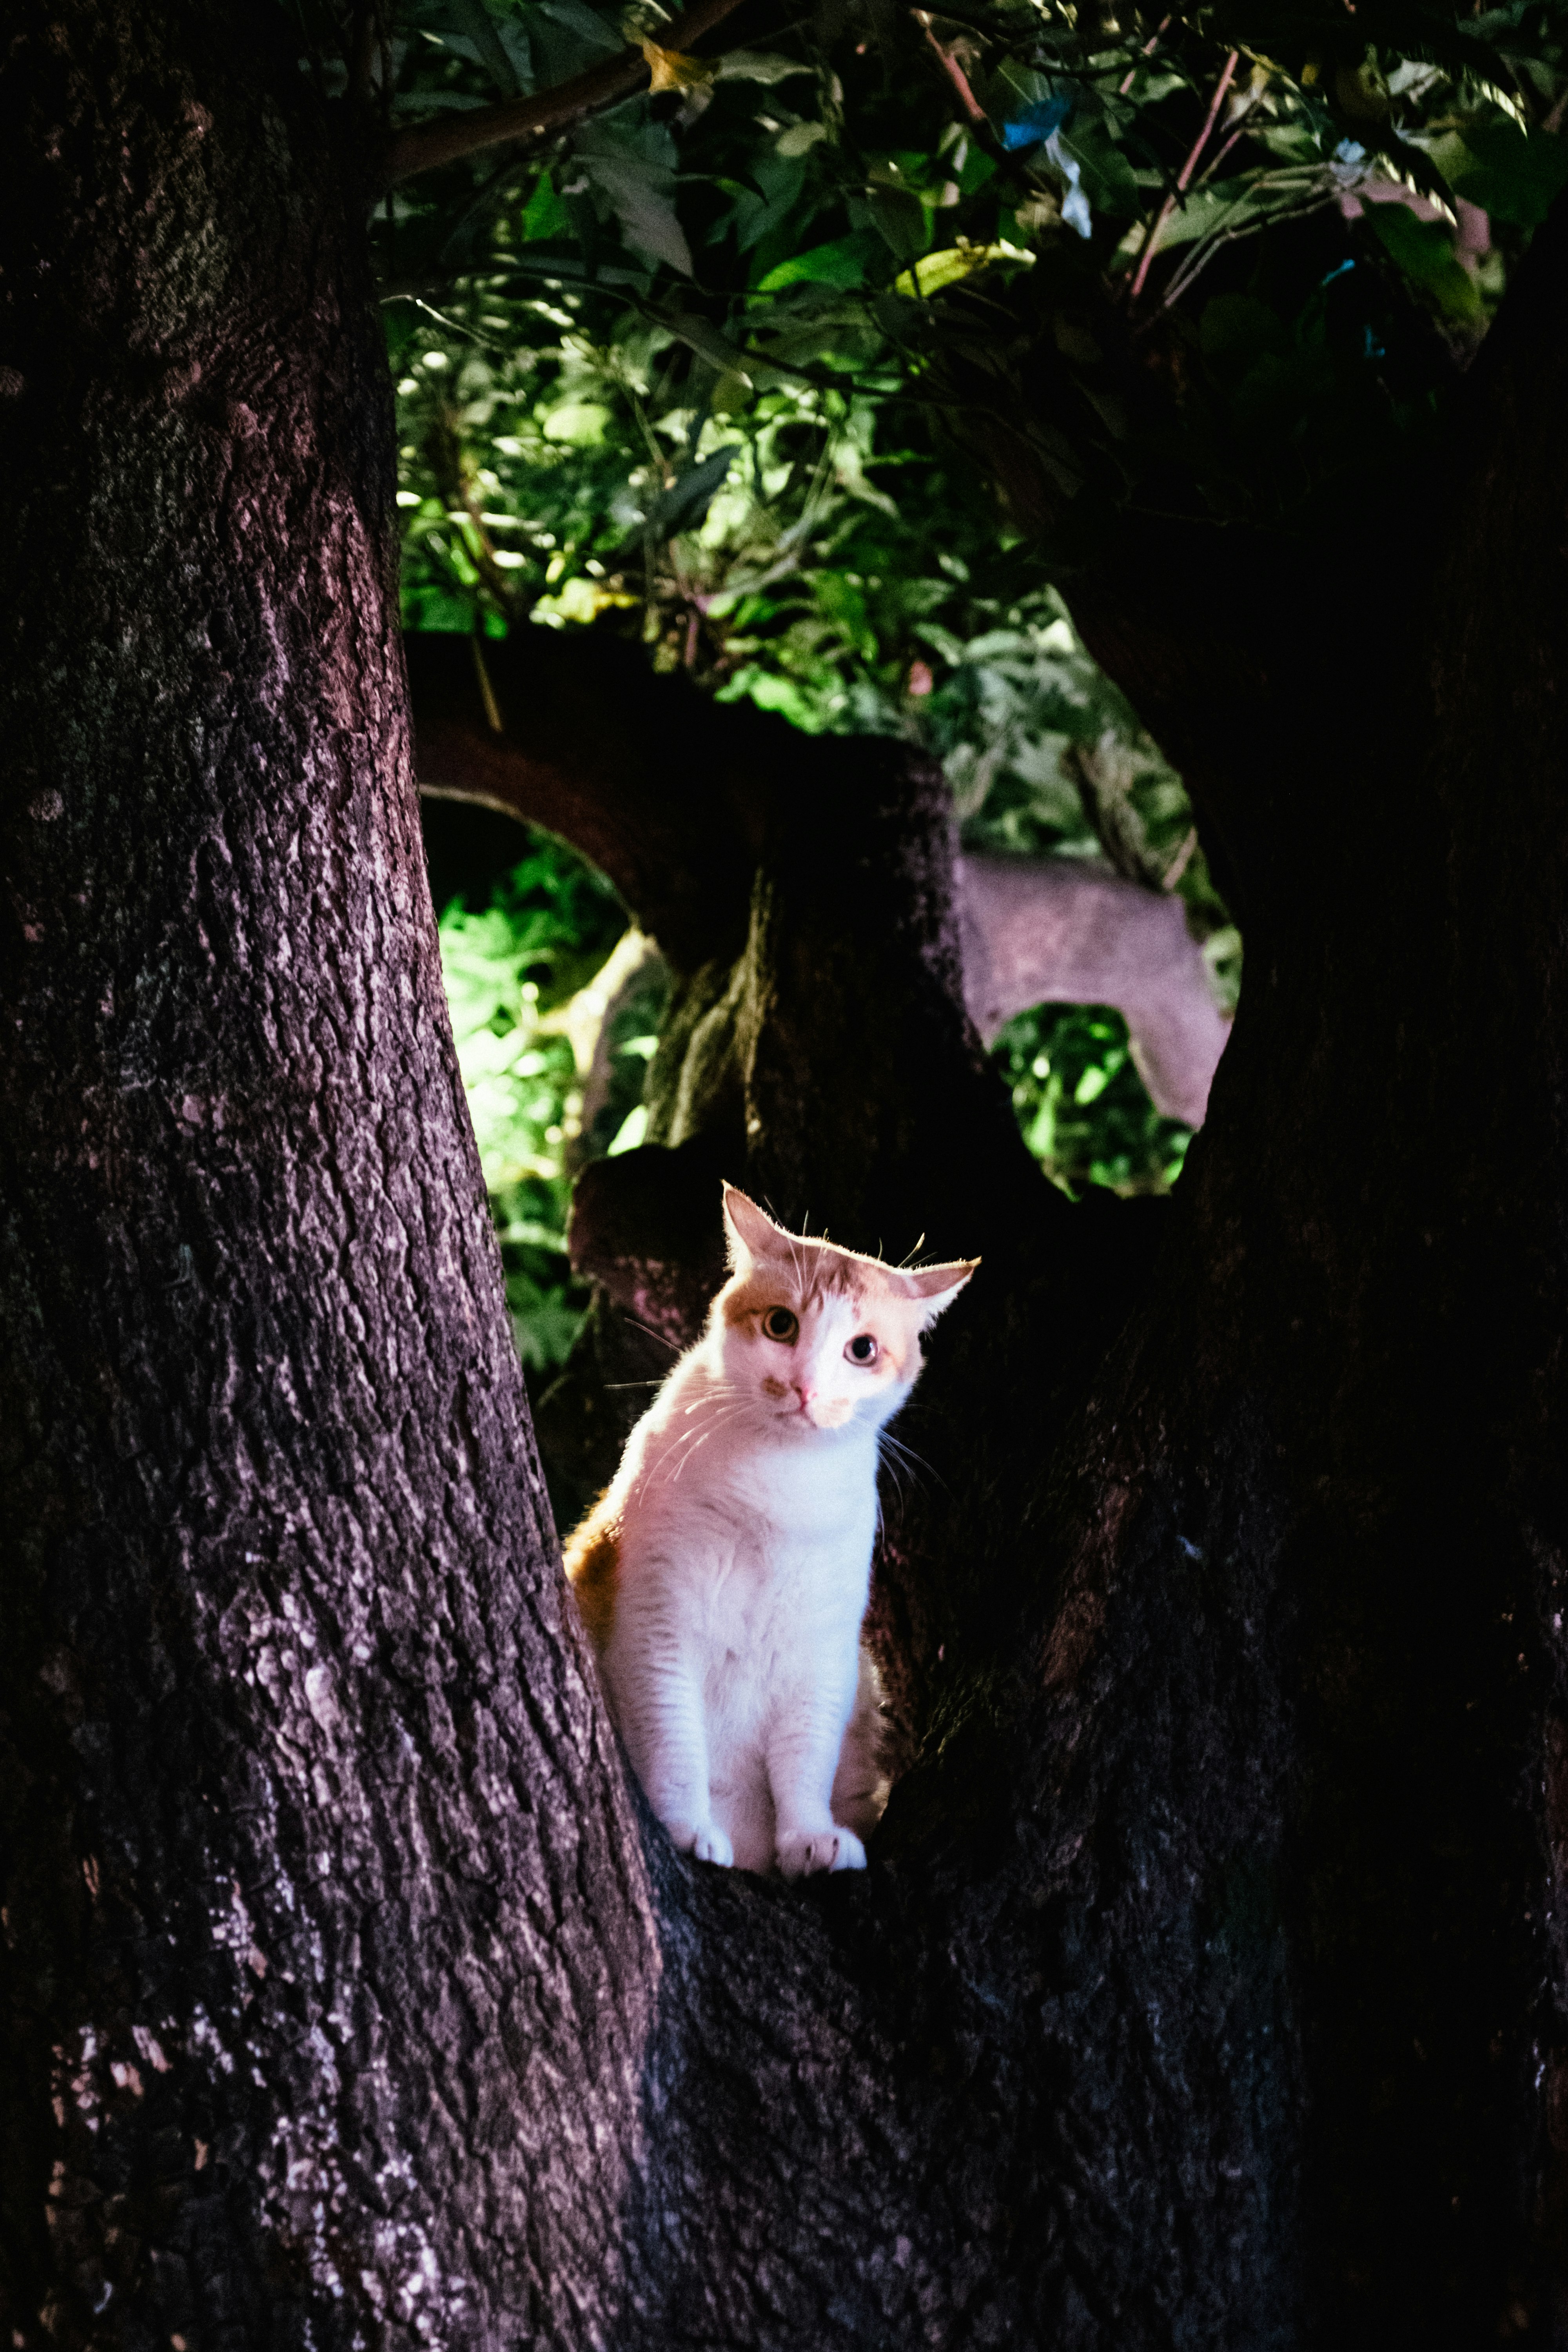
(747, 367)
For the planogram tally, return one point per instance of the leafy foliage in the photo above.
(1085, 1112)
(1022, 201)
(818, 366)
(512, 969)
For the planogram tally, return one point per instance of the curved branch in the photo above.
(423, 146)
(1058, 931)
(666, 793)
(671, 795)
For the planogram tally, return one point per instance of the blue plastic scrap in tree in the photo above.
(1075, 203)
(1036, 124)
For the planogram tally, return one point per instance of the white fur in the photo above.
(745, 1528)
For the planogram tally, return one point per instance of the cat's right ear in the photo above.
(935, 1286)
(751, 1234)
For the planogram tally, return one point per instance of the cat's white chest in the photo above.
(806, 1494)
(765, 1560)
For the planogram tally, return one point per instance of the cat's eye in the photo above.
(778, 1323)
(862, 1348)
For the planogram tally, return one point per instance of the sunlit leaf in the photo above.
(757, 65)
(668, 69)
(956, 262)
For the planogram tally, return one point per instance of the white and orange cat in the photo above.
(724, 1573)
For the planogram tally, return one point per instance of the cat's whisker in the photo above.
(713, 1421)
(693, 1437)
(685, 1458)
(892, 1460)
(897, 1484)
(663, 1338)
(914, 1462)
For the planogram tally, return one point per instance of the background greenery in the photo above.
(735, 367)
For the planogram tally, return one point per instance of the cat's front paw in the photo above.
(802, 1852)
(703, 1841)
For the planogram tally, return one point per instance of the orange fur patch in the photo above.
(593, 1565)
(775, 1283)
(780, 1282)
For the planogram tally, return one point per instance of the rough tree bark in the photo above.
(328, 1961)
(1203, 1990)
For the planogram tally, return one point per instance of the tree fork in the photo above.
(328, 1927)
(1167, 2011)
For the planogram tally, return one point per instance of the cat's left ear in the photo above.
(936, 1286)
(750, 1233)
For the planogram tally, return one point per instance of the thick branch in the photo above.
(1055, 930)
(670, 795)
(1335, 1430)
(423, 146)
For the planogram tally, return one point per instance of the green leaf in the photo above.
(1495, 165)
(1108, 178)
(635, 175)
(544, 215)
(577, 423)
(683, 506)
(757, 65)
(978, 167)
(436, 608)
(1425, 252)
(955, 262)
(629, 1136)
(901, 219)
(841, 263)
(594, 31)
(705, 340)
(780, 185)
(477, 22)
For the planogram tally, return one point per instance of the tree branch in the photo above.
(668, 793)
(1169, 206)
(1058, 931)
(423, 146)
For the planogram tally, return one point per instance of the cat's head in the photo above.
(822, 1337)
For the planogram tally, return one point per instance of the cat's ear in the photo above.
(748, 1231)
(935, 1286)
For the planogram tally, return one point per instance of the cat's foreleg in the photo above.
(802, 1757)
(659, 1704)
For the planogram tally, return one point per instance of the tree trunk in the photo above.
(1203, 1989)
(328, 1963)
